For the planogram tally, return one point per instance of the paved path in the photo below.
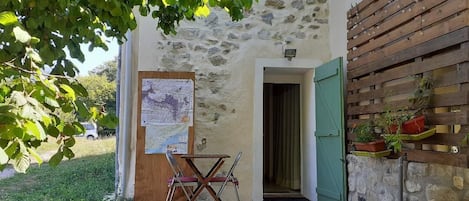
(9, 171)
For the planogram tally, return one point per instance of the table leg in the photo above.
(205, 180)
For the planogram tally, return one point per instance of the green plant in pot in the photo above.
(419, 102)
(391, 120)
(366, 139)
(390, 124)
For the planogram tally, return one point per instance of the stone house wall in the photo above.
(223, 55)
(371, 179)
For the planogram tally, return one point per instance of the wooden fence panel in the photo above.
(391, 44)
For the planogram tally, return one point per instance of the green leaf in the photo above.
(7, 118)
(79, 89)
(35, 155)
(109, 121)
(3, 156)
(35, 40)
(52, 102)
(19, 98)
(203, 11)
(8, 18)
(79, 127)
(82, 109)
(56, 158)
(5, 108)
(30, 112)
(69, 130)
(21, 163)
(53, 131)
(68, 153)
(11, 150)
(70, 93)
(35, 129)
(69, 142)
(32, 54)
(21, 35)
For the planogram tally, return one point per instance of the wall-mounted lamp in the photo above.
(290, 53)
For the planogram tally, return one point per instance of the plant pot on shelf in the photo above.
(414, 126)
(374, 146)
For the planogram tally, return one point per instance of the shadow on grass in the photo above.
(86, 178)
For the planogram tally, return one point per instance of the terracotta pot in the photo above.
(414, 126)
(374, 146)
(393, 128)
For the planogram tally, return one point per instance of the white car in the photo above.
(91, 130)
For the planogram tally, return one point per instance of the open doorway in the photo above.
(301, 73)
(282, 140)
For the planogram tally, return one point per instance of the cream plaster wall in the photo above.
(225, 94)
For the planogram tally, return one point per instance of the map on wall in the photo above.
(163, 138)
(167, 114)
(167, 102)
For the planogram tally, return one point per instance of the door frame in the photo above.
(282, 63)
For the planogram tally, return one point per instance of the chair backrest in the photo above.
(174, 164)
(229, 175)
(235, 163)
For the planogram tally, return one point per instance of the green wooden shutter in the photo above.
(330, 131)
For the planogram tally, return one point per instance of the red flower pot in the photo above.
(393, 128)
(414, 126)
(374, 146)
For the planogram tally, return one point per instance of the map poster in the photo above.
(167, 101)
(163, 138)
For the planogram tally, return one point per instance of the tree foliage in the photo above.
(37, 79)
(107, 69)
(101, 92)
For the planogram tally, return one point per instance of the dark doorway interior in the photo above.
(282, 153)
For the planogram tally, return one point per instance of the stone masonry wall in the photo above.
(223, 56)
(218, 49)
(371, 179)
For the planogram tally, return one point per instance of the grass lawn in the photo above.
(89, 176)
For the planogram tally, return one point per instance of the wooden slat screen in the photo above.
(392, 42)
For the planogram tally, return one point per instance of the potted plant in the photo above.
(419, 102)
(366, 139)
(391, 121)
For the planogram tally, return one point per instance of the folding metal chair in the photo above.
(178, 179)
(228, 178)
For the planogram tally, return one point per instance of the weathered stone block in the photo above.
(278, 4)
(415, 170)
(189, 33)
(392, 180)
(441, 170)
(351, 183)
(212, 19)
(264, 34)
(458, 182)
(178, 45)
(290, 19)
(267, 18)
(298, 4)
(412, 186)
(307, 18)
(246, 36)
(321, 21)
(217, 60)
(213, 50)
(232, 36)
(440, 193)
(300, 35)
(413, 198)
